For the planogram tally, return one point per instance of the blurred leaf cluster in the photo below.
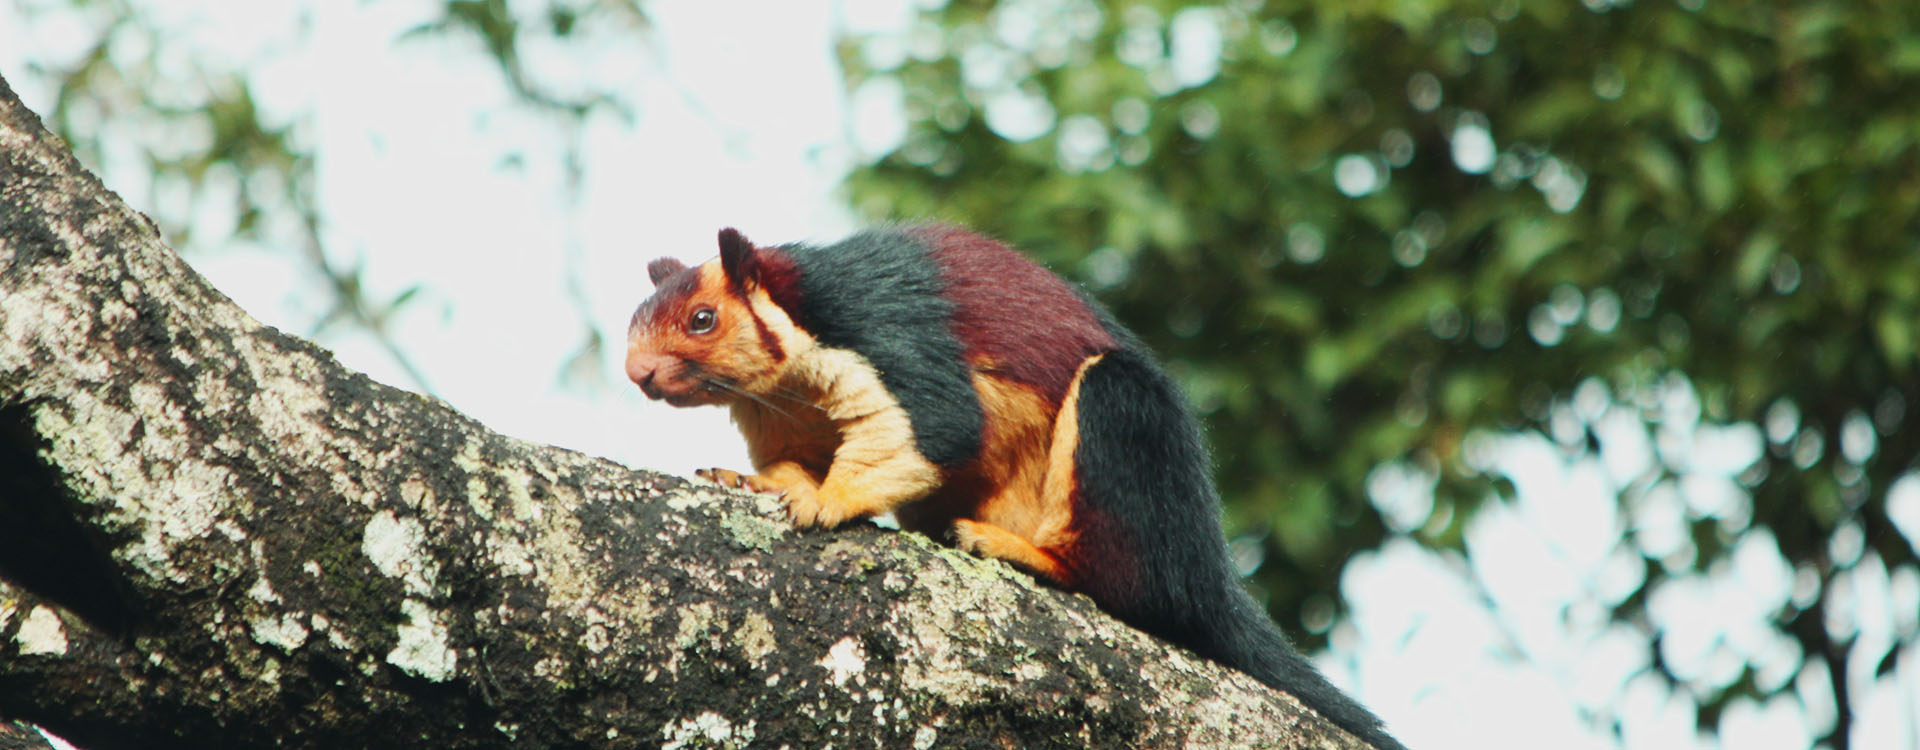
(1364, 232)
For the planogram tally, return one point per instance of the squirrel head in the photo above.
(711, 334)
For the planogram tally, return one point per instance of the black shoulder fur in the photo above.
(879, 294)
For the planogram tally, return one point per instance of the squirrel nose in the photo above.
(643, 366)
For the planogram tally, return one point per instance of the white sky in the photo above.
(742, 120)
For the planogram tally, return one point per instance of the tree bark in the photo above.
(214, 535)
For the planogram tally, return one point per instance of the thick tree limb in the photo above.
(213, 535)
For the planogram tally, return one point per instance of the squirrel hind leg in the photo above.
(1028, 523)
(988, 540)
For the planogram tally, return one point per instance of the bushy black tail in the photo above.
(1149, 522)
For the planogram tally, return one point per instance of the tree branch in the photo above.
(212, 534)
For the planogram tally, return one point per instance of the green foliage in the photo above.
(1542, 194)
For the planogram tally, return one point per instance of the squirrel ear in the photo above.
(737, 258)
(660, 268)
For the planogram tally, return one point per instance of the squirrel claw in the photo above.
(722, 477)
(736, 480)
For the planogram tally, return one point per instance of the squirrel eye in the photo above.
(702, 320)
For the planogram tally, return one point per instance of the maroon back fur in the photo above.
(1014, 318)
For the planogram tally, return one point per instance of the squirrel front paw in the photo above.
(808, 508)
(805, 507)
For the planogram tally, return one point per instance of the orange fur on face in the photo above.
(672, 359)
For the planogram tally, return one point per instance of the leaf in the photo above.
(1713, 178)
(1290, 308)
(1756, 261)
(1658, 166)
(1894, 330)
(1527, 240)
